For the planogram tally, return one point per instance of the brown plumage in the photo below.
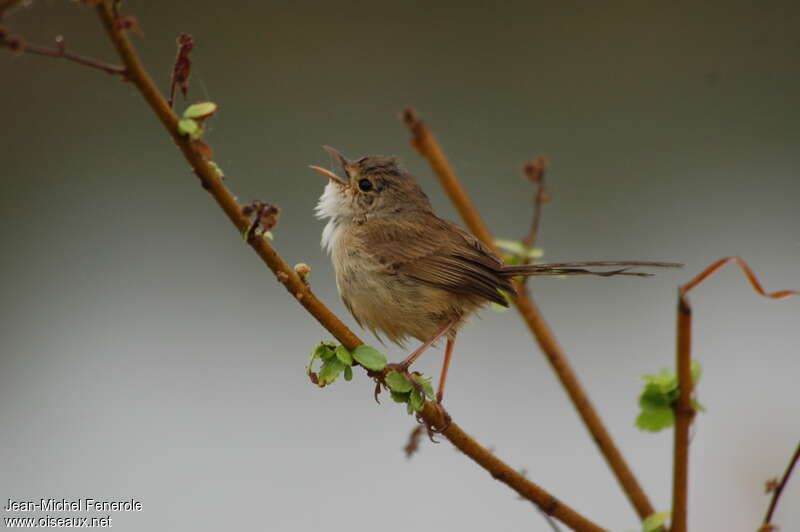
(400, 269)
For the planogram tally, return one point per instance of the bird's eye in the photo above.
(365, 185)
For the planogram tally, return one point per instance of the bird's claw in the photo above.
(429, 427)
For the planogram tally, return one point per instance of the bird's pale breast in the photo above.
(390, 302)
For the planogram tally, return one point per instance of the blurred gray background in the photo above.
(147, 353)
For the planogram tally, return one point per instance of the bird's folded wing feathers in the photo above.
(432, 256)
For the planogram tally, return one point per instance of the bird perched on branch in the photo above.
(402, 271)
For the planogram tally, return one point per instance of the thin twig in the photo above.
(684, 412)
(431, 413)
(535, 172)
(18, 45)
(425, 143)
(776, 494)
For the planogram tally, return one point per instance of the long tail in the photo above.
(579, 268)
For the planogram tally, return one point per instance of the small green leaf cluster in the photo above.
(303, 270)
(658, 396)
(267, 235)
(411, 390)
(655, 522)
(337, 359)
(193, 117)
(516, 252)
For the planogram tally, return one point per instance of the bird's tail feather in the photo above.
(579, 268)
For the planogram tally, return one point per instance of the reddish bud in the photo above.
(534, 170)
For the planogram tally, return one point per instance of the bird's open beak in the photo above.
(330, 175)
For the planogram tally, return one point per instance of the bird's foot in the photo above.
(439, 424)
(401, 368)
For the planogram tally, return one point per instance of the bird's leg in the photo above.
(404, 365)
(448, 353)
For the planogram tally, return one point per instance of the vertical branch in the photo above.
(684, 413)
(427, 146)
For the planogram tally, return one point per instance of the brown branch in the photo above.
(17, 44)
(776, 495)
(431, 414)
(684, 412)
(425, 143)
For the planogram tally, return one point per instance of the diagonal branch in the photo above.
(766, 526)
(426, 144)
(684, 411)
(292, 282)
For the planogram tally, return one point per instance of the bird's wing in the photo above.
(438, 253)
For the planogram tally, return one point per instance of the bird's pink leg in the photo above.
(448, 353)
(404, 365)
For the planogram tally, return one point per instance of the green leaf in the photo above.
(415, 400)
(200, 110)
(696, 372)
(214, 166)
(348, 373)
(369, 357)
(655, 521)
(310, 362)
(656, 418)
(425, 382)
(326, 353)
(344, 355)
(697, 406)
(658, 397)
(399, 397)
(653, 396)
(330, 370)
(187, 126)
(318, 352)
(512, 246)
(397, 383)
(534, 253)
(666, 380)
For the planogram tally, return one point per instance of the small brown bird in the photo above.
(403, 271)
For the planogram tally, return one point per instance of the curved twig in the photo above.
(684, 412)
